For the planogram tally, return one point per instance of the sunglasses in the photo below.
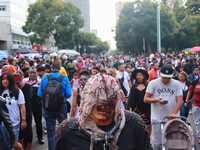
(110, 74)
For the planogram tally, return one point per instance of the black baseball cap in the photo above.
(166, 71)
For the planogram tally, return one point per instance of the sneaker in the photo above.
(45, 131)
(41, 141)
(190, 112)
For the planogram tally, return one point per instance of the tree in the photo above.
(137, 21)
(52, 17)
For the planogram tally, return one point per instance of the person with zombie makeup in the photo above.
(15, 104)
(154, 72)
(26, 135)
(95, 70)
(84, 76)
(102, 124)
(136, 96)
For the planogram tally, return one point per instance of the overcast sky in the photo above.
(102, 17)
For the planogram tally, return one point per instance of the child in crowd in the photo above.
(76, 81)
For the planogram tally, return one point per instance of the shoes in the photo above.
(41, 141)
(190, 112)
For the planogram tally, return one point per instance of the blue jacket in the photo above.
(66, 90)
(192, 77)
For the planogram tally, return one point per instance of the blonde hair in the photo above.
(112, 70)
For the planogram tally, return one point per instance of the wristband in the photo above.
(23, 119)
(186, 102)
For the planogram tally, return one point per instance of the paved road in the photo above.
(37, 146)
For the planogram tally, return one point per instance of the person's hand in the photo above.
(23, 124)
(161, 101)
(186, 104)
(172, 116)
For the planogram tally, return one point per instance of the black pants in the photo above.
(37, 114)
(27, 133)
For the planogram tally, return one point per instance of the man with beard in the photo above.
(26, 135)
(101, 124)
(35, 102)
(154, 72)
(84, 76)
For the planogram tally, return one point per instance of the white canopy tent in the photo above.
(68, 52)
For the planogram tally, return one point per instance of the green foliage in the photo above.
(52, 17)
(137, 21)
(180, 26)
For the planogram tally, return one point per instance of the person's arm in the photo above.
(23, 114)
(187, 98)
(4, 115)
(68, 91)
(74, 103)
(177, 107)
(129, 82)
(148, 99)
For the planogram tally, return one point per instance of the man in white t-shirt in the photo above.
(166, 97)
(122, 73)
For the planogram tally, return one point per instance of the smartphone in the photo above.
(165, 100)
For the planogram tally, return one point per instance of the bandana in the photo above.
(17, 78)
(100, 89)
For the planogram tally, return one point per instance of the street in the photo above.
(37, 146)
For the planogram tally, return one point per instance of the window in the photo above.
(2, 8)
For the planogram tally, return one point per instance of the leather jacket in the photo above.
(4, 117)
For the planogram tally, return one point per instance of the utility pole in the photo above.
(158, 27)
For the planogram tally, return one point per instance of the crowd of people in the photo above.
(118, 101)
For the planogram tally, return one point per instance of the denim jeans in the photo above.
(184, 111)
(156, 133)
(197, 119)
(51, 117)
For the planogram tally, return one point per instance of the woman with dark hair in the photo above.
(183, 78)
(136, 96)
(14, 102)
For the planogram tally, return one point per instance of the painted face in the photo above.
(83, 79)
(5, 81)
(139, 77)
(103, 112)
(32, 74)
(94, 72)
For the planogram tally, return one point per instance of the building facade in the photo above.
(84, 6)
(118, 7)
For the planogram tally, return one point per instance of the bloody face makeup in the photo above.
(83, 79)
(102, 113)
(5, 81)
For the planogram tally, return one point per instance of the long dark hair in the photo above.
(145, 81)
(13, 90)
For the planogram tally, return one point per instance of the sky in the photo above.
(102, 18)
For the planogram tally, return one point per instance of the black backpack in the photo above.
(52, 95)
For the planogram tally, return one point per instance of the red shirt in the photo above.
(153, 74)
(196, 94)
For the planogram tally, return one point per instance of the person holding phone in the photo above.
(166, 97)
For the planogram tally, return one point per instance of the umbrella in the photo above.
(68, 52)
(195, 49)
(186, 49)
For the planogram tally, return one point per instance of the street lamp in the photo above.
(158, 27)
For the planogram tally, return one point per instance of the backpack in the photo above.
(52, 95)
(5, 140)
